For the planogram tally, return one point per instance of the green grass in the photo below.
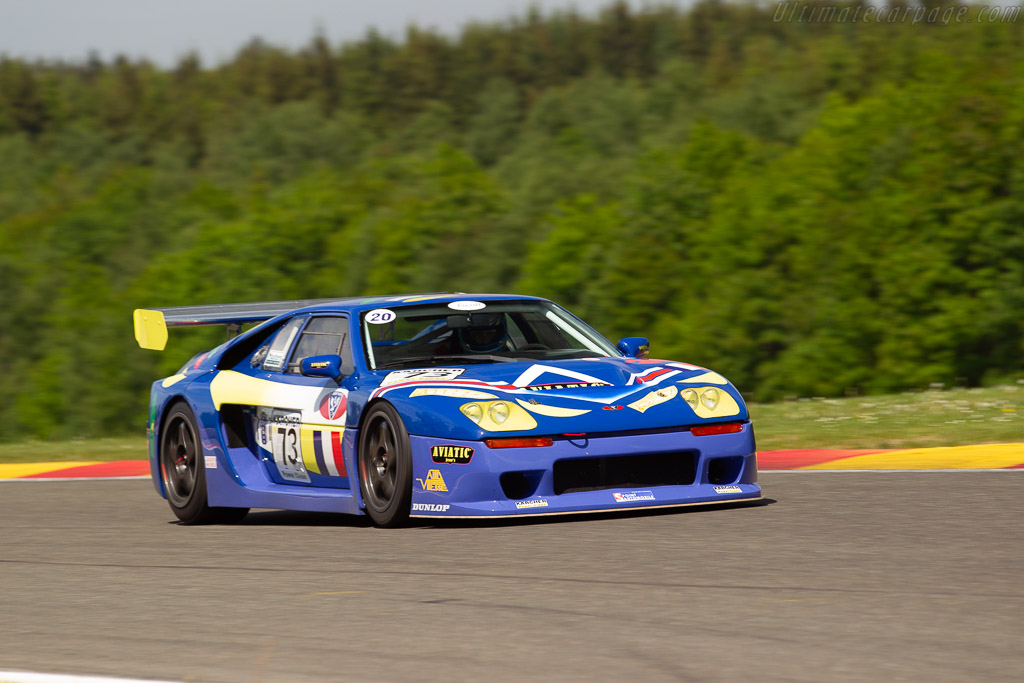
(122, 448)
(955, 417)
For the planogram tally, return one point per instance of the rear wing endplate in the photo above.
(151, 323)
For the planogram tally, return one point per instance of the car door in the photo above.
(300, 422)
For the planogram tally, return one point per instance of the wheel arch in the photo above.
(159, 422)
(367, 409)
(396, 510)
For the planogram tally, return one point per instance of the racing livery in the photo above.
(435, 405)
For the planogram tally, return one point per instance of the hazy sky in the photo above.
(164, 30)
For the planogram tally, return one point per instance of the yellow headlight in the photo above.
(498, 412)
(473, 411)
(690, 396)
(498, 416)
(709, 397)
(710, 402)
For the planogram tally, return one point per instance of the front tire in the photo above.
(385, 467)
(184, 473)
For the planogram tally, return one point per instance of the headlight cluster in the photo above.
(498, 416)
(710, 402)
(708, 397)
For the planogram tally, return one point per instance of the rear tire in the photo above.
(184, 473)
(385, 467)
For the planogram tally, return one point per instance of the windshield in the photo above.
(476, 332)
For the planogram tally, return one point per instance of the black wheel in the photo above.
(385, 467)
(184, 473)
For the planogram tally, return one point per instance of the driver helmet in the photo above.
(486, 338)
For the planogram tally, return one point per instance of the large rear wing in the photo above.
(151, 323)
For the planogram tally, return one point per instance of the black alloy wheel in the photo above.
(184, 472)
(385, 466)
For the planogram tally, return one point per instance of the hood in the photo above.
(557, 397)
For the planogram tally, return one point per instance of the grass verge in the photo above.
(97, 450)
(957, 417)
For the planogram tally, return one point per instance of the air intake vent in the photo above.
(625, 471)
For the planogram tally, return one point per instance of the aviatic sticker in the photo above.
(451, 455)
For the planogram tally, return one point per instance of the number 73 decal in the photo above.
(278, 432)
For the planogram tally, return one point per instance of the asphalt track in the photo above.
(835, 577)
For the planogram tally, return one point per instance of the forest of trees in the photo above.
(811, 208)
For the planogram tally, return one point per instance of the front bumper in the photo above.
(582, 474)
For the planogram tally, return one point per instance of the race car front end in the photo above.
(510, 440)
(581, 473)
(570, 473)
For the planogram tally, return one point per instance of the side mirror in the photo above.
(634, 347)
(322, 366)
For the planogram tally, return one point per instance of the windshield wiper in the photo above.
(479, 357)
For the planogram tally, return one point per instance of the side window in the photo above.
(282, 342)
(323, 336)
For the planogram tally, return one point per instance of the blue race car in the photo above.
(437, 405)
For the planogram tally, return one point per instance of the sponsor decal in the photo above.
(433, 482)
(630, 496)
(319, 364)
(451, 455)
(422, 375)
(274, 359)
(429, 507)
(467, 305)
(728, 489)
(611, 407)
(452, 393)
(654, 398)
(334, 405)
(211, 461)
(380, 316)
(534, 503)
(534, 372)
(573, 385)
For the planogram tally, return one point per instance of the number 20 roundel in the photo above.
(333, 406)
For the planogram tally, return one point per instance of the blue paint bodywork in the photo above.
(722, 466)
